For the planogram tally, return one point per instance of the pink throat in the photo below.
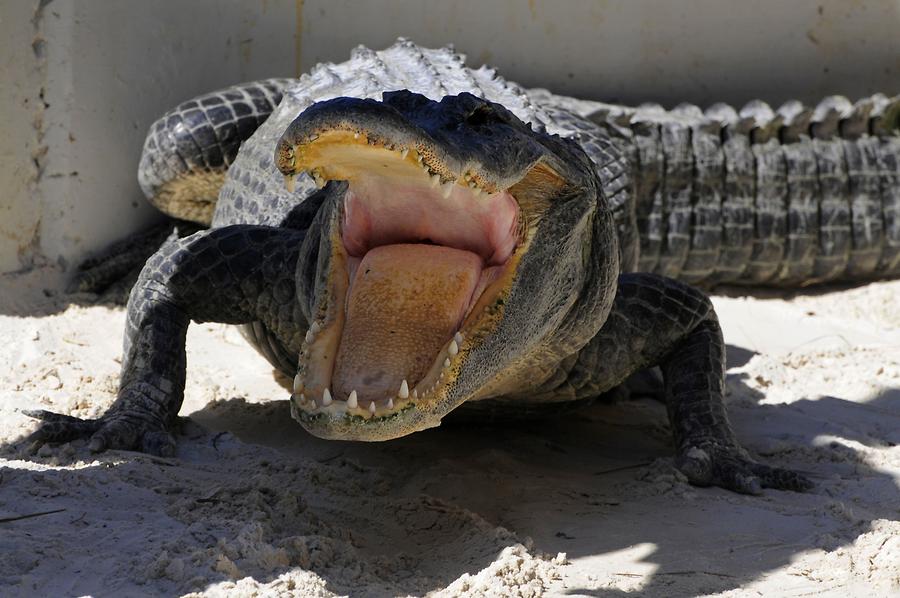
(418, 263)
(380, 211)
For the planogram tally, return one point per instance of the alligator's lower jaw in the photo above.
(325, 407)
(393, 333)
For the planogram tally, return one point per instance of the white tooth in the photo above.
(403, 153)
(326, 397)
(435, 180)
(315, 328)
(372, 407)
(309, 336)
(390, 404)
(302, 397)
(446, 363)
(351, 400)
(447, 189)
(458, 338)
(404, 390)
(289, 182)
(454, 348)
(298, 383)
(415, 394)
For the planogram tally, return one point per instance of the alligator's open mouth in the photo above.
(423, 255)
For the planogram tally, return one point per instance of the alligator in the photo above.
(405, 236)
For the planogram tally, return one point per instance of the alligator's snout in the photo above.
(440, 208)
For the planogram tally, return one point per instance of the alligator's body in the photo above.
(795, 196)
(457, 255)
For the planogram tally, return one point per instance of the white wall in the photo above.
(636, 50)
(20, 81)
(107, 68)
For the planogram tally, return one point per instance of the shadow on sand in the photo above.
(592, 484)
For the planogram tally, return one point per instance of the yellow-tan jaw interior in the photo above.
(418, 262)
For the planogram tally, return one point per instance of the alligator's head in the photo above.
(456, 255)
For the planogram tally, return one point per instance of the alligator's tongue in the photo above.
(405, 303)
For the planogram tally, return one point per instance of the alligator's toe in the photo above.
(159, 443)
(113, 431)
(127, 432)
(707, 467)
(730, 468)
(782, 479)
(56, 427)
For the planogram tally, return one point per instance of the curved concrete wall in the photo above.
(82, 79)
(81, 82)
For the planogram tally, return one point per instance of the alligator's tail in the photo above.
(794, 196)
(189, 148)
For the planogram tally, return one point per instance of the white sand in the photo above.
(585, 506)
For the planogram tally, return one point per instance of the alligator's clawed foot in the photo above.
(115, 430)
(733, 469)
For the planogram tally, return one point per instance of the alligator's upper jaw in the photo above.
(422, 255)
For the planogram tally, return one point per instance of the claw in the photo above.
(49, 416)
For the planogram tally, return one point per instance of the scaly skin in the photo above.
(721, 198)
(808, 195)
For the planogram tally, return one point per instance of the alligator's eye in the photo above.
(481, 115)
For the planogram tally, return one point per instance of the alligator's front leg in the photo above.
(235, 275)
(658, 321)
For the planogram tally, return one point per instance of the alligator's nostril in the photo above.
(285, 158)
(480, 116)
